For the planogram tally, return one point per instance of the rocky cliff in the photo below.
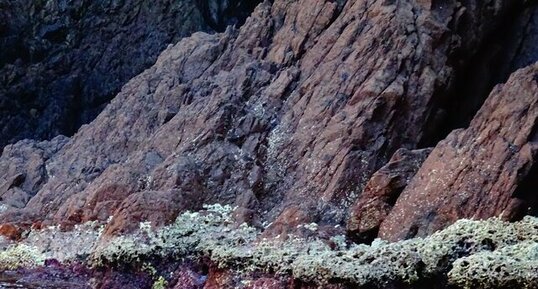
(63, 61)
(371, 118)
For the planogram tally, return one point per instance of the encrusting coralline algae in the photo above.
(485, 254)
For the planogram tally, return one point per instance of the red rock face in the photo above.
(475, 172)
(382, 191)
(288, 116)
(10, 232)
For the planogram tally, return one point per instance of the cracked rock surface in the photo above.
(286, 117)
(372, 118)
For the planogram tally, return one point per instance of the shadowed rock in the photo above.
(475, 172)
(381, 192)
(63, 61)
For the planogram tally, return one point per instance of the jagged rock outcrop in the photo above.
(286, 117)
(314, 115)
(62, 61)
(381, 192)
(476, 172)
(26, 171)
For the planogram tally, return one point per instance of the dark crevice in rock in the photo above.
(65, 60)
(221, 14)
(527, 189)
(523, 44)
(391, 201)
(527, 192)
(510, 46)
(366, 237)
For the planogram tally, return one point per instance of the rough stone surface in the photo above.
(287, 117)
(186, 278)
(382, 191)
(10, 232)
(476, 172)
(62, 61)
(24, 170)
(311, 116)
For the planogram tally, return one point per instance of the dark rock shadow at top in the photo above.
(221, 14)
(511, 46)
(61, 62)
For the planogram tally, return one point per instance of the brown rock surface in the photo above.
(476, 172)
(382, 191)
(294, 111)
(10, 232)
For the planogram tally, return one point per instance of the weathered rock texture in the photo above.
(381, 192)
(62, 61)
(511, 47)
(287, 117)
(26, 170)
(475, 172)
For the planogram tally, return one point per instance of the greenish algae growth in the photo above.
(468, 254)
(213, 233)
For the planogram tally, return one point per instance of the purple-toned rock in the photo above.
(382, 191)
(286, 118)
(185, 278)
(485, 170)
